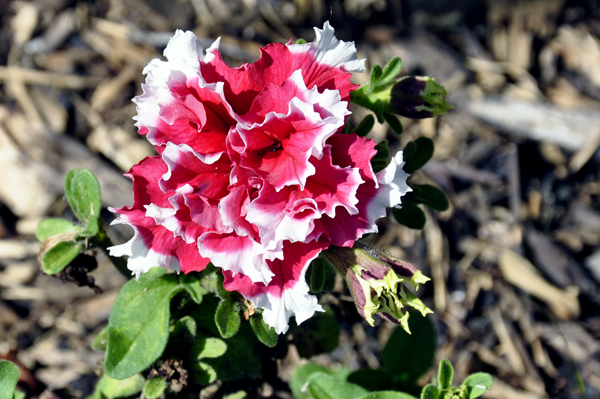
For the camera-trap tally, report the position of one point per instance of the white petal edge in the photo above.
(295, 301)
(141, 258)
(392, 187)
(331, 51)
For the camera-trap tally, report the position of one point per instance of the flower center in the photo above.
(276, 146)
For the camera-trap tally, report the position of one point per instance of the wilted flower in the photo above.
(253, 172)
(378, 281)
(419, 97)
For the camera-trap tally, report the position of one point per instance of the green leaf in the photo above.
(365, 126)
(429, 195)
(227, 318)
(315, 276)
(376, 73)
(445, 374)
(371, 379)
(477, 384)
(319, 334)
(51, 227)
(324, 386)
(410, 215)
(408, 356)
(430, 391)
(19, 395)
(265, 334)
(392, 69)
(109, 388)
(417, 153)
(192, 285)
(221, 291)
(299, 381)
(9, 376)
(388, 395)
(209, 348)
(380, 160)
(154, 387)
(241, 359)
(184, 329)
(394, 122)
(101, 340)
(59, 256)
(83, 193)
(138, 326)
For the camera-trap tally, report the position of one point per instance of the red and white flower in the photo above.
(253, 172)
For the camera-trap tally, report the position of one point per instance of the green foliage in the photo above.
(227, 318)
(299, 380)
(477, 384)
(54, 226)
(372, 379)
(380, 160)
(138, 327)
(394, 122)
(315, 276)
(83, 194)
(417, 153)
(154, 388)
(428, 195)
(265, 334)
(410, 215)
(325, 386)
(55, 259)
(9, 376)
(365, 126)
(388, 395)
(319, 334)
(408, 356)
(101, 340)
(109, 388)
(445, 374)
(430, 391)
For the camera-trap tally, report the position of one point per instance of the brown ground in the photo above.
(515, 262)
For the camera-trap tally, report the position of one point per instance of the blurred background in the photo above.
(514, 262)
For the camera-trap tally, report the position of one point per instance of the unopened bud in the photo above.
(378, 281)
(419, 97)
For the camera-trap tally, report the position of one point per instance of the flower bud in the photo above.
(419, 97)
(377, 282)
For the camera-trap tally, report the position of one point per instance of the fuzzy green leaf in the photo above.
(83, 193)
(315, 276)
(365, 126)
(410, 215)
(192, 285)
(430, 391)
(429, 195)
(265, 334)
(388, 395)
(417, 153)
(391, 70)
(477, 384)
(109, 388)
(376, 73)
(101, 340)
(394, 122)
(299, 380)
(324, 386)
(419, 347)
(9, 376)
(59, 256)
(54, 226)
(445, 374)
(380, 160)
(227, 318)
(138, 327)
(154, 387)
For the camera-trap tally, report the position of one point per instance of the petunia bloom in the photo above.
(253, 172)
